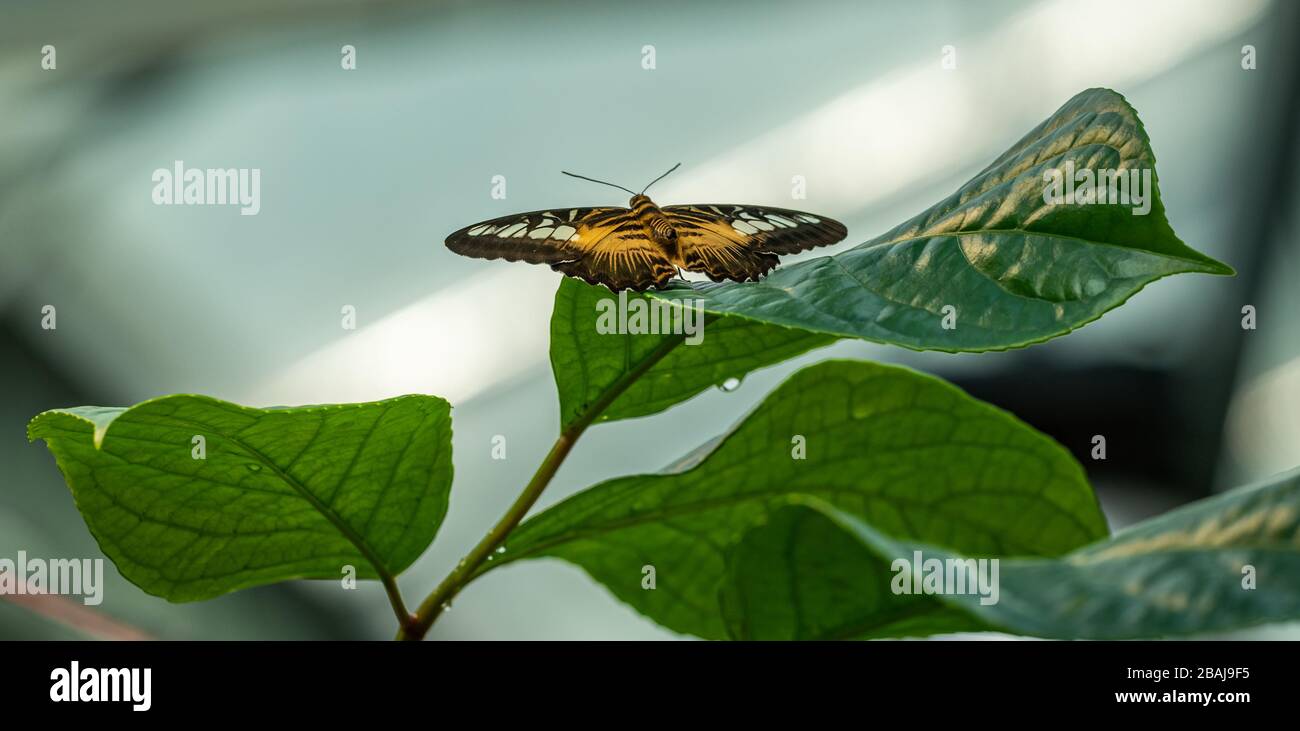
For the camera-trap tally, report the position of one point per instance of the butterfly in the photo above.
(644, 245)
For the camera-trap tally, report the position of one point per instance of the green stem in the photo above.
(433, 605)
(404, 618)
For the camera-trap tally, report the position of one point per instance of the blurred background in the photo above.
(365, 171)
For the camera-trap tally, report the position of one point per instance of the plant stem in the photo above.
(404, 618)
(433, 605)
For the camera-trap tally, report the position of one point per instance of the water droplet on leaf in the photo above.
(731, 384)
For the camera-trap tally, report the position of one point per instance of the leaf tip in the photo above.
(1222, 269)
(1210, 265)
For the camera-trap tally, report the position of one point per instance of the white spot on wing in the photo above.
(478, 230)
(540, 233)
(744, 227)
(563, 233)
(513, 229)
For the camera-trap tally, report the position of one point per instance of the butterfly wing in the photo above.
(598, 245)
(625, 257)
(538, 237)
(742, 242)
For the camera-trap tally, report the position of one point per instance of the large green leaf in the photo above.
(662, 369)
(1222, 563)
(280, 493)
(906, 451)
(1015, 269)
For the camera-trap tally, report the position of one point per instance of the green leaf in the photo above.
(279, 494)
(801, 577)
(1015, 270)
(662, 369)
(906, 451)
(1222, 563)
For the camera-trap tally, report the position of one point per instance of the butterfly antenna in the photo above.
(584, 177)
(661, 177)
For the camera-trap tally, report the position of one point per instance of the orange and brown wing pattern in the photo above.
(539, 237)
(726, 241)
(606, 246)
(622, 259)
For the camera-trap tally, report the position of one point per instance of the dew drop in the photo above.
(254, 467)
(731, 384)
(500, 550)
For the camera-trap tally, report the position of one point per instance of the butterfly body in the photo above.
(644, 245)
(657, 225)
